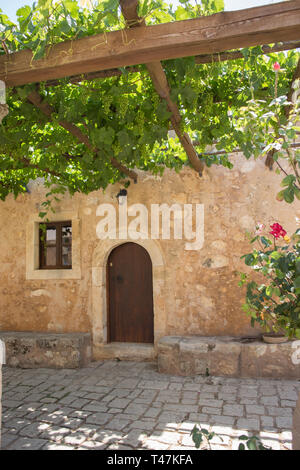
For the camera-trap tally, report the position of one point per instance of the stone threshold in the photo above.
(226, 356)
(125, 351)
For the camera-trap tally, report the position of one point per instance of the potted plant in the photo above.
(273, 294)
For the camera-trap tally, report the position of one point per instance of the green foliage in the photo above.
(264, 127)
(251, 443)
(273, 299)
(202, 436)
(123, 116)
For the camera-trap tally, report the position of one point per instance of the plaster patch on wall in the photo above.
(201, 288)
(146, 177)
(261, 350)
(87, 211)
(188, 268)
(40, 292)
(247, 222)
(55, 326)
(248, 166)
(180, 198)
(207, 302)
(93, 199)
(219, 261)
(218, 245)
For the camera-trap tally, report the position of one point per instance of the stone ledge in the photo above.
(125, 351)
(30, 350)
(226, 356)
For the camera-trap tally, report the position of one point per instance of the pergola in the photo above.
(212, 38)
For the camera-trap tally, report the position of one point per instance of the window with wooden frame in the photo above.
(56, 245)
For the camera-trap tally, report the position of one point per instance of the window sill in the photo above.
(54, 274)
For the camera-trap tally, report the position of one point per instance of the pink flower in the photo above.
(276, 66)
(259, 229)
(277, 231)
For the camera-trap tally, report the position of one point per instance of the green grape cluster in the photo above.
(155, 100)
(116, 148)
(123, 106)
(106, 101)
(208, 103)
(141, 122)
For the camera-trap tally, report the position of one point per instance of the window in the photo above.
(55, 241)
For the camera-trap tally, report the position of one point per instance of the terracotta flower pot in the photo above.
(274, 338)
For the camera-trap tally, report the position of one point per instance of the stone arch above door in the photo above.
(99, 297)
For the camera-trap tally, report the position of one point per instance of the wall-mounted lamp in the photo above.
(122, 196)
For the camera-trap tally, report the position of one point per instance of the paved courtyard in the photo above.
(128, 405)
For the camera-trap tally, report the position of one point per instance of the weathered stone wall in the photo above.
(226, 356)
(54, 350)
(200, 293)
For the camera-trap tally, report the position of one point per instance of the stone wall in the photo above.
(195, 292)
(33, 350)
(227, 357)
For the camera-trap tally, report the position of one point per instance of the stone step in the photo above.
(127, 351)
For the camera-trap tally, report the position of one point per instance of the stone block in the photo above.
(30, 350)
(269, 360)
(224, 359)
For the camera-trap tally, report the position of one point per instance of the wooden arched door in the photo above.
(130, 295)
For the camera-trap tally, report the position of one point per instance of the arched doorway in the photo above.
(130, 295)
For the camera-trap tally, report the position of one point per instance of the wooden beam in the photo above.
(35, 98)
(294, 145)
(92, 76)
(200, 59)
(234, 55)
(160, 82)
(205, 35)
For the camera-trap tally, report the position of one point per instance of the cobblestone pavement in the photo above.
(128, 405)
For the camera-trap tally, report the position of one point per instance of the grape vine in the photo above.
(122, 116)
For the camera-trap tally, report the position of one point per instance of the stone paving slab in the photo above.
(129, 405)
